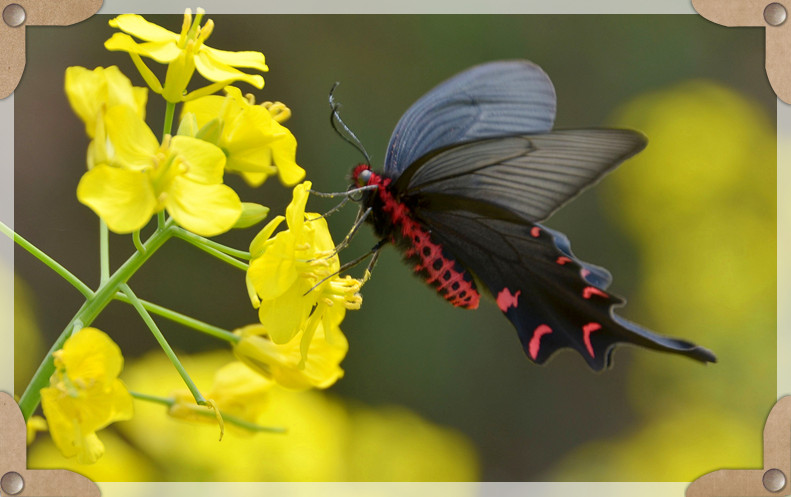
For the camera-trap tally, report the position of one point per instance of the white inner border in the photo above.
(535, 489)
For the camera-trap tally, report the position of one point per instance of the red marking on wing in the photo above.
(589, 291)
(535, 231)
(506, 300)
(587, 330)
(534, 344)
(562, 260)
(584, 272)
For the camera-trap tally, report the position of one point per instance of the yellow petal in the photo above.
(256, 179)
(91, 355)
(249, 59)
(161, 51)
(89, 92)
(137, 26)
(204, 161)
(283, 363)
(34, 425)
(274, 271)
(295, 211)
(205, 108)
(123, 199)
(133, 141)
(283, 316)
(284, 153)
(318, 235)
(257, 245)
(205, 210)
(215, 70)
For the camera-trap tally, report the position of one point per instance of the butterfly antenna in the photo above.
(340, 127)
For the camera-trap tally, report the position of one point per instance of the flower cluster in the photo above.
(293, 280)
(132, 176)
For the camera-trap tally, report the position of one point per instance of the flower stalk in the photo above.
(94, 305)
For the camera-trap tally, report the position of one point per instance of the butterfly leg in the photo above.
(374, 251)
(361, 216)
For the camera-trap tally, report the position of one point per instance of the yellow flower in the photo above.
(91, 93)
(285, 364)
(85, 394)
(326, 440)
(256, 144)
(183, 52)
(237, 391)
(284, 270)
(142, 177)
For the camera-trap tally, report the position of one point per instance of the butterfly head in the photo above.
(361, 175)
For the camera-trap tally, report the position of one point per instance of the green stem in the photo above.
(50, 262)
(188, 235)
(104, 252)
(184, 320)
(163, 343)
(137, 242)
(94, 304)
(227, 417)
(194, 240)
(170, 110)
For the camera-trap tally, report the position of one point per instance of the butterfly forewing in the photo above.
(531, 176)
(494, 99)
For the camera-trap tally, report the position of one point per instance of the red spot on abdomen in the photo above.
(506, 300)
(441, 271)
(535, 341)
(592, 290)
(586, 335)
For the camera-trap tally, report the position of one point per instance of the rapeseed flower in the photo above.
(256, 144)
(142, 177)
(285, 363)
(183, 52)
(91, 93)
(293, 279)
(85, 394)
(237, 391)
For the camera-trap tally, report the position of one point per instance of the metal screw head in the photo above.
(774, 480)
(14, 15)
(775, 14)
(12, 483)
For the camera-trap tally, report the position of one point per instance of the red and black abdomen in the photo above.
(393, 220)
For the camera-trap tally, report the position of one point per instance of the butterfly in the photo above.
(471, 170)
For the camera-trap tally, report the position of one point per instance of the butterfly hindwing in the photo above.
(553, 299)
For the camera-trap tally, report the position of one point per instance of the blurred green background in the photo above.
(687, 228)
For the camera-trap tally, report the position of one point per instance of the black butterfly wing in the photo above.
(531, 175)
(553, 299)
(512, 97)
